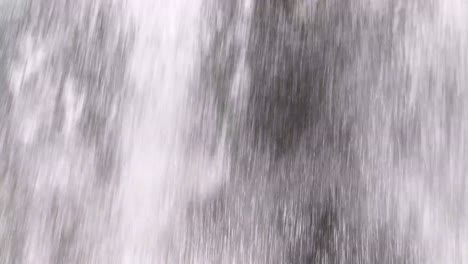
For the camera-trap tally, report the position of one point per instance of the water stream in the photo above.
(243, 131)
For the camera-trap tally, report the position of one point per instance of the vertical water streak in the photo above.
(161, 173)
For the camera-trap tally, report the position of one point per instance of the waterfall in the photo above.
(155, 185)
(248, 131)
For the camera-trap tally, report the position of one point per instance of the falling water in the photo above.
(160, 175)
(247, 131)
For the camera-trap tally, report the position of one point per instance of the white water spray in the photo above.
(158, 179)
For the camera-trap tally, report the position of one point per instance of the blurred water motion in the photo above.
(247, 131)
